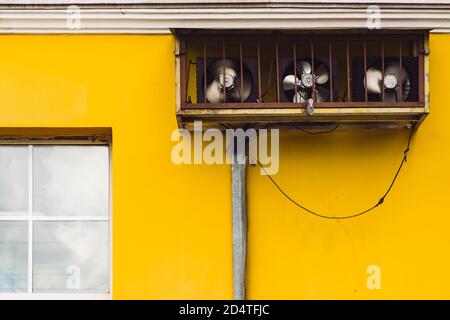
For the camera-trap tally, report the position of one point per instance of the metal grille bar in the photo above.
(342, 84)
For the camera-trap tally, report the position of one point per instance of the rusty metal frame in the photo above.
(258, 39)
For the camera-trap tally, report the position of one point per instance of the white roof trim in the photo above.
(224, 2)
(159, 21)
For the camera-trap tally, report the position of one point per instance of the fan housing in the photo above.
(223, 80)
(306, 80)
(389, 83)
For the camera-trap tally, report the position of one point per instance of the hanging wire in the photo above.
(379, 202)
(317, 132)
(268, 83)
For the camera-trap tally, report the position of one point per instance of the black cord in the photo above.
(189, 76)
(380, 201)
(318, 132)
(268, 83)
(226, 126)
(344, 98)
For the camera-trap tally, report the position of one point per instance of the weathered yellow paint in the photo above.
(172, 224)
(295, 255)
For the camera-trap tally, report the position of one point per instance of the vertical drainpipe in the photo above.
(238, 173)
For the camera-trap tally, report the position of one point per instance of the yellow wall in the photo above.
(172, 224)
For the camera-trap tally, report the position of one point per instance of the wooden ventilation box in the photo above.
(283, 79)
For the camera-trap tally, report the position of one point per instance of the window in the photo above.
(54, 219)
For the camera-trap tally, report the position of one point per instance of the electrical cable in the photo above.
(269, 81)
(380, 201)
(318, 132)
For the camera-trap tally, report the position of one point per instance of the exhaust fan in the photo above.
(400, 84)
(223, 80)
(306, 81)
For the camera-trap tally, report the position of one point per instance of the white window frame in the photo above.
(30, 218)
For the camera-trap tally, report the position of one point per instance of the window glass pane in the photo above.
(13, 256)
(71, 256)
(13, 178)
(71, 180)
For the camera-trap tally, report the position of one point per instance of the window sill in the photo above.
(55, 296)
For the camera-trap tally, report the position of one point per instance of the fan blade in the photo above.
(394, 69)
(297, 98)
(322, 94)
(403, 79)
(373, 81)
(213, 92)
(322, 74)
(391, 96)
(219, 66)
(306, 67)
(231, 69)
(224, 71)
(406, 88)
(234, 94)
(248, 86)
(401, 95)
(301, 96)
(290, 82)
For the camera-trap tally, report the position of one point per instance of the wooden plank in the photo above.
(289, 105)
(281, 117)
(364, 112)
(178, 75)
(404, 124)
(426, 75)
(421, 69)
